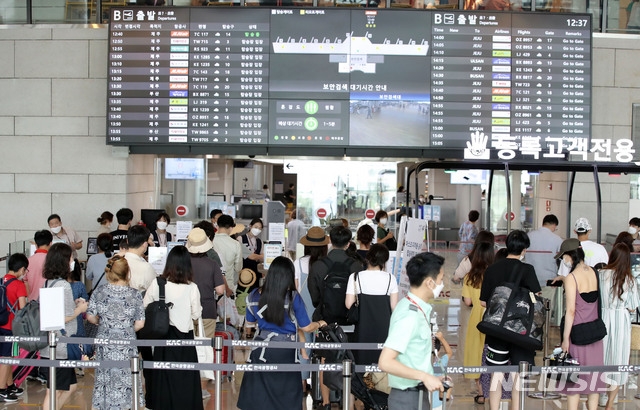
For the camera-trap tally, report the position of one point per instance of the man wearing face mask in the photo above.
(252, 241)
(594, 253)
(64, 235)
(501, 352)
(214, 215)
(406, 354)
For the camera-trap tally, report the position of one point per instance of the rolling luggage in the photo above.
(226, 334)
(20, 373)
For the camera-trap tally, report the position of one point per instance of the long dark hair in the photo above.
(279, 286)
(315, 253)
(482, 258)
(620, 264)
(56, 264)
(482, 237)
(178, 268)
(105, 244)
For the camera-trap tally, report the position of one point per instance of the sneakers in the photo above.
(7, 397)
(80, 372)
(39, 378)
(15, 390)
(205, 394)
(602, 400)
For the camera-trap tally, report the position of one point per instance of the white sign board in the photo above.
(276, 232)
(271, 251)
(412, 246)
(182, 230)
(51, 309)
(158, 258)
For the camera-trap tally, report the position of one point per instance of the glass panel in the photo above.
(182, 188)
(13, 12)
(49, 11)
(345, 189)
(629, 15)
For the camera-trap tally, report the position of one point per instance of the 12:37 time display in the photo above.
(577, 22)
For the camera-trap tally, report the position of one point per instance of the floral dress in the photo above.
(118, 307)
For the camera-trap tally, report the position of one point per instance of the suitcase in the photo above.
(227, 351)
(20, 373)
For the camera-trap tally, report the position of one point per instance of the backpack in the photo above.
(156, 322)
(335, 291)
(26, 323)
(5, 308)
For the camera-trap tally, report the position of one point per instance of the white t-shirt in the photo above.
(373, 282)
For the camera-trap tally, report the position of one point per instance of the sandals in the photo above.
(479, 399)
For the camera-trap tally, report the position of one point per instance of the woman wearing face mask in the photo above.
(160, 235)
(634, 230)
(500, 352)
(252, 241)
(105, 220)
(57, 269)
(384, 235)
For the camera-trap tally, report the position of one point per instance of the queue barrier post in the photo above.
(523, 371)
(52, 370)
(217, 348)
(544, 394)
(347, 371)
(135, 379)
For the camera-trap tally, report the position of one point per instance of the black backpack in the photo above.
(335, 291)
(5, 308)
(156, 316)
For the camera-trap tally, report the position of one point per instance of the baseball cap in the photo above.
(582, 225)
(568, 245)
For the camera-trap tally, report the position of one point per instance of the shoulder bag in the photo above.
(514, 313)
(353, 315)
(156, 322)
(590, 332)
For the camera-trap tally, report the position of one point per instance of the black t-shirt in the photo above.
(118, 235)
(288, 196)
(502, 271)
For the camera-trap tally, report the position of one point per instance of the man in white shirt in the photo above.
(295, 231)
(594, 253)
(544, 246)
(229, 250)
(142, 275)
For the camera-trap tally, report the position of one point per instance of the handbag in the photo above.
(353, 314)
(589, 332)
(156, 322)
(562, 359)
(514, 314)
(205, 353)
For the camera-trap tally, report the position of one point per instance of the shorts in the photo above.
(501, 353)
(6, 348)
(65, 377)
(408, 399)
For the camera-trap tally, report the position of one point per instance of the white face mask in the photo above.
(56, 230)
(255, 231)
(383, 221)
(162, 225)
(438, 289)
(567, 264)
(72, 266)
(522, 258)
(632, 230)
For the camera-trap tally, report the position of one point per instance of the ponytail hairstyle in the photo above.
(105, 244)
(117, 269)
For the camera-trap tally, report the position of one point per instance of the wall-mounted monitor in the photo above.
(184, 168)
(469, 176)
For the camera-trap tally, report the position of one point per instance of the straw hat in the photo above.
(315, 237)
(198, 242)
(239, 228)
(246, 277)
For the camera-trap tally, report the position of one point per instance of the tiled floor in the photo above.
(447, 310)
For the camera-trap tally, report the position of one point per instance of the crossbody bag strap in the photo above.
(161, 283)
(98, 282)
(388, 285)
(599, 296)
(355, 290)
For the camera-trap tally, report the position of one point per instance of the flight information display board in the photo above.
(519, 83)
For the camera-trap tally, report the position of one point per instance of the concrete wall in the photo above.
(53, 156)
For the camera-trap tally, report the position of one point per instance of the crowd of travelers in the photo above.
(299, 294)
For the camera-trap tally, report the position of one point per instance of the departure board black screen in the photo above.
(519, 83)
